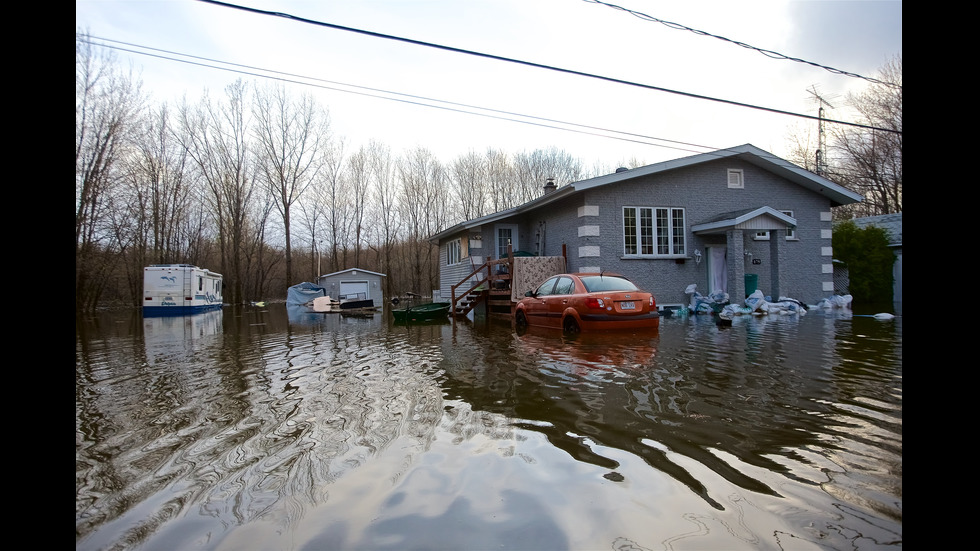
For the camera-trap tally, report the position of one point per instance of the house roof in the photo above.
(747, 152)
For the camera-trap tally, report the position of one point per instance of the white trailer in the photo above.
(179, 289)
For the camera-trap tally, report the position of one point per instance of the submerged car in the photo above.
(588, 302)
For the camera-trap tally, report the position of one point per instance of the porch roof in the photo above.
(759, 219)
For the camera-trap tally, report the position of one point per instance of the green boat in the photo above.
(422, 312)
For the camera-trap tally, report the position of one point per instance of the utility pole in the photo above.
(821, 161)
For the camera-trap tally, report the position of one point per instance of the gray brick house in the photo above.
(723, 220)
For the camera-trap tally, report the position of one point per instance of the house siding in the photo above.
(451, 274)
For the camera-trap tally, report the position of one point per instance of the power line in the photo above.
(767, 53)
(267, 73)
(409, 98)
(533, 64)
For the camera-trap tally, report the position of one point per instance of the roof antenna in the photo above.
(821, 168)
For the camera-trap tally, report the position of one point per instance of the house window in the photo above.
(654, 231)
(735, 178)
(790, 232)
(453, 252)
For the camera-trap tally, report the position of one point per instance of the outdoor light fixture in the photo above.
(697, 256)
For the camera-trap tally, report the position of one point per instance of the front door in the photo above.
(717, 269)
(506, 234)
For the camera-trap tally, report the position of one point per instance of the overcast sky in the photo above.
(678, 52)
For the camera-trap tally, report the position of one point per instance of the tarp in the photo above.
(531, 271)
(303, 293)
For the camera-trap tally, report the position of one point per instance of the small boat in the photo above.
(422, 312)
(356, 304)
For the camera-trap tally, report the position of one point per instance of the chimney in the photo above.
(550, 186)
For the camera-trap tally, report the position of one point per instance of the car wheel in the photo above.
(520, 319)
(570, 325)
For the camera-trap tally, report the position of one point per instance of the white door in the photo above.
(505, 233)
(717, 269)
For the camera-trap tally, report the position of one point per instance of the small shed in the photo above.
(354, 284)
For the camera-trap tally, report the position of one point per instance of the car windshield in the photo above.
(600, 283)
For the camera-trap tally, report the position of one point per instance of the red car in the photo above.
(588, 302)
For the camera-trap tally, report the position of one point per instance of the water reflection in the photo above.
(273, 428)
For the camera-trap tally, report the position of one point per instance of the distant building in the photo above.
(354, 284)
(892, 224)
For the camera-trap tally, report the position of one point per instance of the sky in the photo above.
(604, 84)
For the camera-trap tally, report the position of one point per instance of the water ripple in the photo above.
(333, 433)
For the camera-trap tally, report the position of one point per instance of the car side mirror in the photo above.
(529, 293)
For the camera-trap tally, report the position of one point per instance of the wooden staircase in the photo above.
(492, 285)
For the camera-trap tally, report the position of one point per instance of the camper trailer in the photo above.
(179, 289)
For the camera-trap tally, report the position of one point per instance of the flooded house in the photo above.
(732, 220)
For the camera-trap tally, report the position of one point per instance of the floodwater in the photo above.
(270, 429)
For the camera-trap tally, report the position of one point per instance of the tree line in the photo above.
(253, 183)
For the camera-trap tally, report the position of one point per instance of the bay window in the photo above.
(654, 231)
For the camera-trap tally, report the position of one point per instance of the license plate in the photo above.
(627, 305)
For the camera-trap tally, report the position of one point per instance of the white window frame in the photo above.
(454, 252)
(736, 178)
(790, 232)
(655, 232)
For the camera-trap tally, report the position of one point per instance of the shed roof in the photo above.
(348, 270)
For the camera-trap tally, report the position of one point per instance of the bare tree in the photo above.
(334, 197)
(160, 174)
(502, 180)
(535, 168)
(215, 136)
(869, 161)
(358, 175)
(150, 211)
(424, 208)
(291, 134)
(385, 195)
(803, 148)
(108, 104)
(468, 185)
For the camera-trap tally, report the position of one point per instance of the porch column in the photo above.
(736, 266)
(775, 246)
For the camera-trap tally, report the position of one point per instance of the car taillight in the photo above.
(594, 303)
(653, 303)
